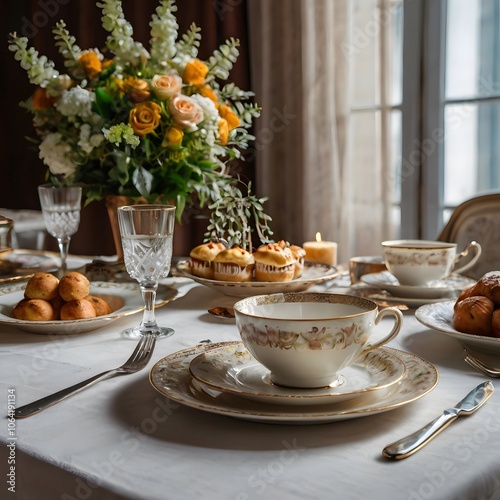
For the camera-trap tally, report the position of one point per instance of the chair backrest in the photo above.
(477, 219)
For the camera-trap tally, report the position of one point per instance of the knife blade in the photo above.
(410, 444)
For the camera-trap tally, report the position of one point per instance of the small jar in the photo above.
(6, 226)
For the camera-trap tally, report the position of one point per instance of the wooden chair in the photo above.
(477, 219)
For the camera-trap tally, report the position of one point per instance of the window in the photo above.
(451, 111)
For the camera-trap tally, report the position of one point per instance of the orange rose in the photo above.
(144, 118)
(227, 114)
(40, 100)
(195, 73)
(206, 91)
(173, 138)
(136, 89)
(91, 63)
(223, 131)
(185, 112)
(165, 86)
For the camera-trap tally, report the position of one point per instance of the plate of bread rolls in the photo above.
(473, 318)
(70, 305)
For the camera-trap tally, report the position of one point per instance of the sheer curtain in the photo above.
(323, 168)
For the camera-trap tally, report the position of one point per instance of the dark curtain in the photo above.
(21, 169)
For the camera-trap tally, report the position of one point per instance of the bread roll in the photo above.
(474, 315)
(489, 286)
(77, 309)
(42, 286)
(74, 286)
(100, 305)
(34, 310)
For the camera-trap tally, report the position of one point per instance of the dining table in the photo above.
(123, 438)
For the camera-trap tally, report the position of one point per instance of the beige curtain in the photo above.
(308, 154)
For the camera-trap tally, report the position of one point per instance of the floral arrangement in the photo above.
(155, 124)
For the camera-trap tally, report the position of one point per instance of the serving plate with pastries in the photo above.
(473, 319)
(70, 305)
(271, 268)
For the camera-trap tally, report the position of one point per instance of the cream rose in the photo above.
(186, 113)
(165, 86)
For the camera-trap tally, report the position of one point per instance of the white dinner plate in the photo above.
(439, 289)
(170, 376)
(20, 262)
(123, 298)
(439, 317)
(313, 274)
(232, 368)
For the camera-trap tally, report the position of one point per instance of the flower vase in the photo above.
(112, 204)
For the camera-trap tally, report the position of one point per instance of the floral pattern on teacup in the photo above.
(313, 339)
(436, 258)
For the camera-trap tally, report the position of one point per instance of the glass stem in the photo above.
(63, 251)
(148, 291)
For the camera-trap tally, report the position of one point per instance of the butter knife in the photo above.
(412, 443)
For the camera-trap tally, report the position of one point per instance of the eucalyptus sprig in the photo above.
(236, 216)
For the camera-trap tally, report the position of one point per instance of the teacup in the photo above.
(417, 262)
(306, 339)
(359, 266)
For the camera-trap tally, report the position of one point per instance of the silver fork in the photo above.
(480, 365)
(137, 361)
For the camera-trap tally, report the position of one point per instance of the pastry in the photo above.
(299, 254)
(234, 264)
(201, 259)
(42, 286)
(489, 286)
(474, 315)
(34, 310)
(74, 286)
(274, 262)
(78, 309)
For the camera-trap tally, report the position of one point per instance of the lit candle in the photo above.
(324, 252)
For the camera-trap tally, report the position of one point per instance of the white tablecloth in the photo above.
(122, 439)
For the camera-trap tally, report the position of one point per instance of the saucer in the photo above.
(170, 376)
(439, 317)
(233, 369)
(449, 287)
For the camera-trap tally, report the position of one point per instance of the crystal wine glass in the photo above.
(61, 207)
(147, 236)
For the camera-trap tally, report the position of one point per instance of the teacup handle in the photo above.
(398, 322)
(471, 245)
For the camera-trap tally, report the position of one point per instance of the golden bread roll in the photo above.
(34, 310)
(74, 286)
(42, 286)
(474, 315)
(100, 305)
(201, 259)
(489, 286)
(234, 264)
(495, 323)
(469, 291)
(274, 262)
(77, 309)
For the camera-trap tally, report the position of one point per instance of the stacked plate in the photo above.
(225, 379)
(416, 296)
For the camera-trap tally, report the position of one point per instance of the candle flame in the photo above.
(318, 236)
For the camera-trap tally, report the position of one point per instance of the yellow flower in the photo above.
(40, 100)
(227, 114)
(223, 131)
(173, 138)
(206, 91)
(91, 63)
(195, 73)
(136, 89)
(165, 86)
(144, 118)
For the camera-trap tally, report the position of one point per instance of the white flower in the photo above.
(87, 141)
(55, 154)
(76, 102)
